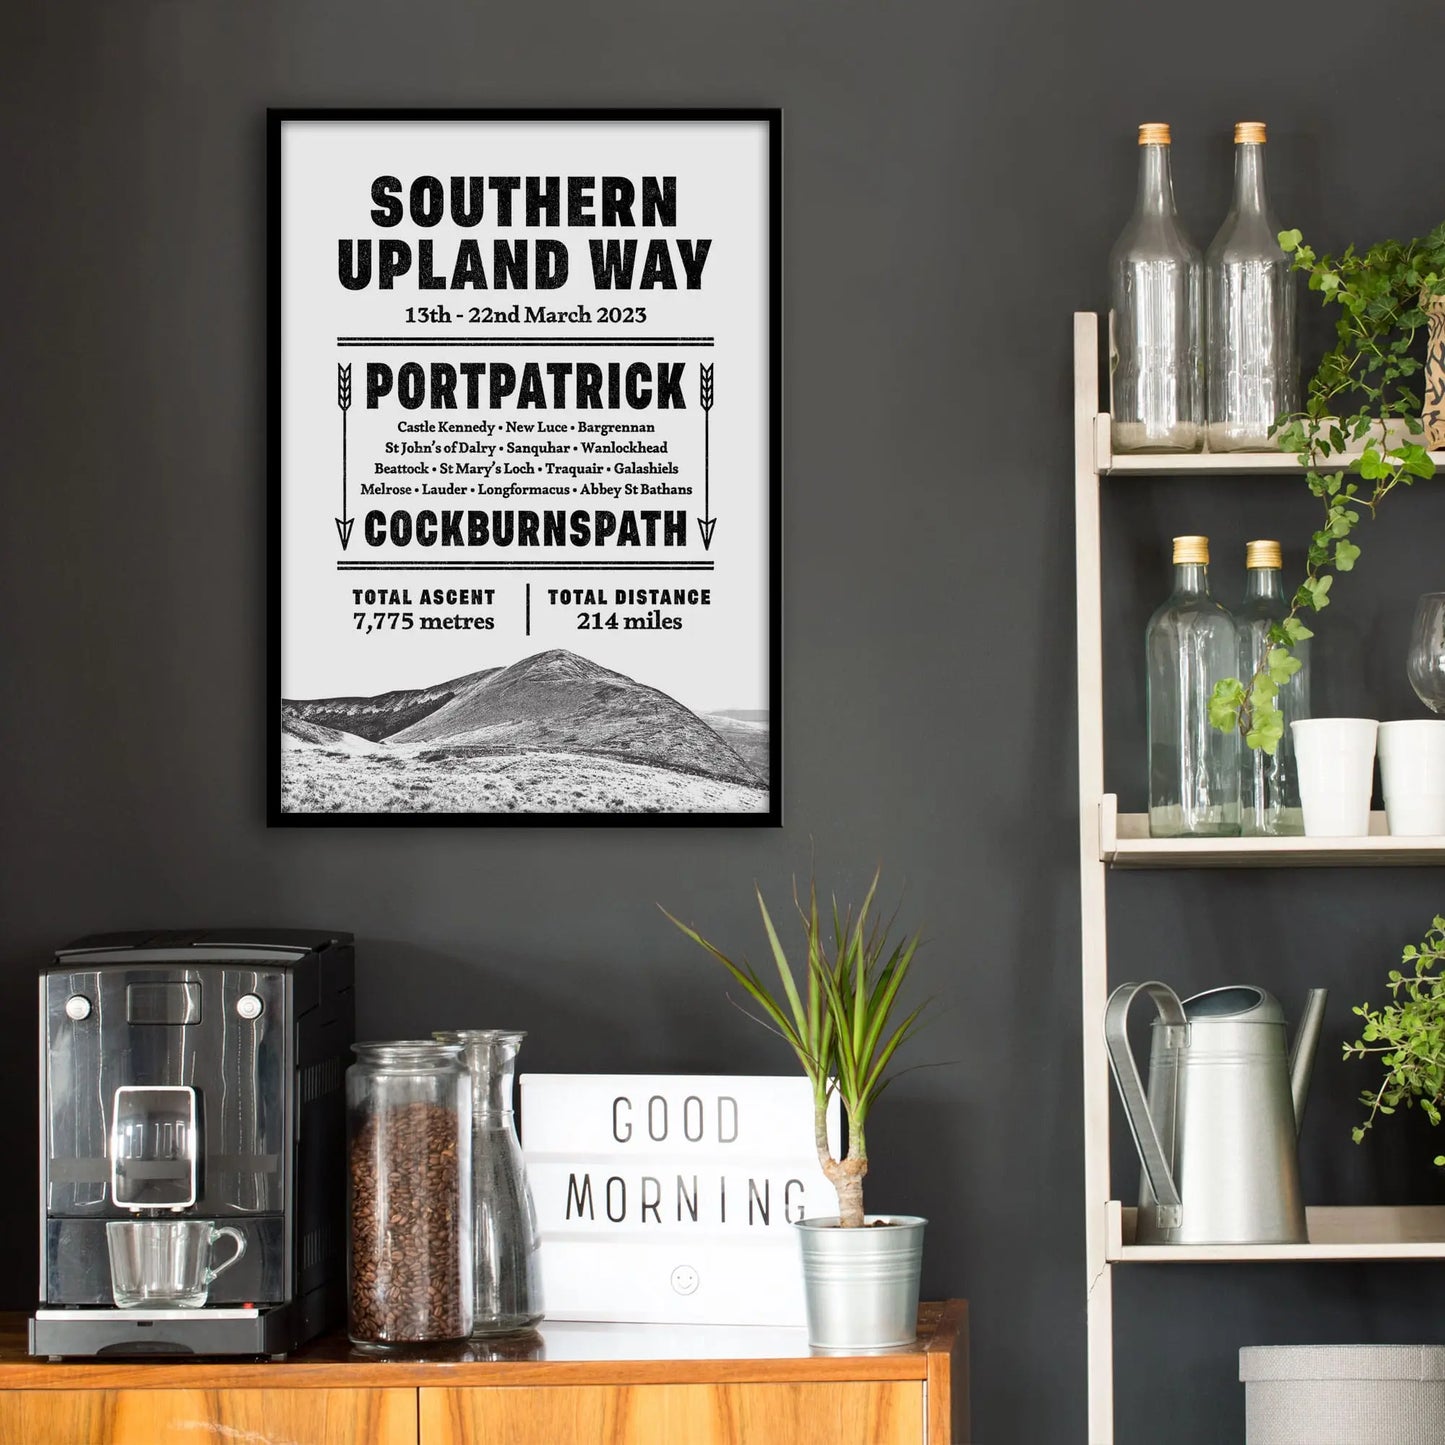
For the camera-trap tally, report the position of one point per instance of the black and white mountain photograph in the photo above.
(550, 733)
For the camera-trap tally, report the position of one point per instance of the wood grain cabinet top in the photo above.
(579, 1384)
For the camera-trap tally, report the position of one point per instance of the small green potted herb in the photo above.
(839, 1012)
(1408, 1035)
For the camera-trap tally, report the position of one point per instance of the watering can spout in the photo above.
(1302, 1055)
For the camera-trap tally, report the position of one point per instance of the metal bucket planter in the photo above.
(862, 1284)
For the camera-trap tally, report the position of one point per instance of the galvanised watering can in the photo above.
(1217, 1135)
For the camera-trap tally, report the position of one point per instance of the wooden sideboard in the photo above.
(571, 1384)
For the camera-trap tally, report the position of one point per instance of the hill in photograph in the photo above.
(748, 733)
(554, 732)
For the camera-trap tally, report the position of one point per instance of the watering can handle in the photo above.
(1152, 1153)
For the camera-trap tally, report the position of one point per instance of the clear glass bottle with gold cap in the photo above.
(1270, 805)
(1194, 769)
(1156, 332)
(1250, 295)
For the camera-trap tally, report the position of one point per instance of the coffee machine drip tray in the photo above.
(207, 1312)
(139, 1333)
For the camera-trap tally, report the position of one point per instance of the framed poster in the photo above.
(525, 467)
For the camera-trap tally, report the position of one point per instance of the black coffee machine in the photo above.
(194, 1076)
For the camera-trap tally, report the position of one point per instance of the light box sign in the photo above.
(671, 1199)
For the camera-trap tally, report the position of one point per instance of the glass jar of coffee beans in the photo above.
(408, 1141)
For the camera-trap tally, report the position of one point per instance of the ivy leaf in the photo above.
(1267, 732)
(1414, 459)
(1282, 665)
(1371, 466)
(1317, 590)
(1225, 703)
(1345, 554)
(1291, 438)
(1289, 240)
(1266, 720)
(1295, 630)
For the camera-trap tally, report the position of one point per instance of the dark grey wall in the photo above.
(954, 177)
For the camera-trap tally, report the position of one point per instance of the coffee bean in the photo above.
(406, 1226)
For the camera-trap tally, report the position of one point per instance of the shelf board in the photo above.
(1402, 1232)
(1124, 842)
(1207, 464)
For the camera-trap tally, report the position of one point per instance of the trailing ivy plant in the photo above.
(1364, 381)
(1408, 1035)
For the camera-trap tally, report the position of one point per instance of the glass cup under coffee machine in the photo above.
(166, 1263)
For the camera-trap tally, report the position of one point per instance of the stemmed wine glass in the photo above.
(1427, 651)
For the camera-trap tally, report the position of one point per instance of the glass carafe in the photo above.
(1156, 368)
(506, 1264)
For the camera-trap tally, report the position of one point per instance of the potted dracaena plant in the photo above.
(839, 1011)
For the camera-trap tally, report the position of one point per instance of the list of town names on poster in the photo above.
(563, 455)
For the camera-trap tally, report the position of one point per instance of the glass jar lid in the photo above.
(405, 1054)
(479, 1036)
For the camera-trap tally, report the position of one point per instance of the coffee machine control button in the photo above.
(249, 1006)
(77, 1007)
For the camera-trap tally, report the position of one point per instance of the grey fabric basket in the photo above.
(1343, 1394)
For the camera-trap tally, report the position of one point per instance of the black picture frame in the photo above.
(278, 122)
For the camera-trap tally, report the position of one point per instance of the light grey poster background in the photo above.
(954, 176)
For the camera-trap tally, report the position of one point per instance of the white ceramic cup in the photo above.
(1412, 774)
(1336, 761)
